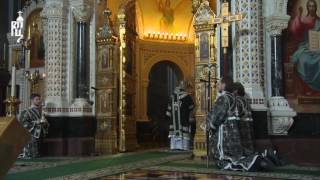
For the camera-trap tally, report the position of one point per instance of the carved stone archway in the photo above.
(150, 53)
(148, 67)
(164, 57)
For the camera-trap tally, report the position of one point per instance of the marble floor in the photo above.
(166, 175)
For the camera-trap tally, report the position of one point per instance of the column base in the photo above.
(80, 107)
(69, 136)
(281, 116)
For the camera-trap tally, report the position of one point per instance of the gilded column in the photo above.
(122, 104)
(205, 72)
(106, 97)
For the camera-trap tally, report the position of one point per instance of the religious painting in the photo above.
(201, 97)
(105, 102)
(204, 46)
(165, 16)
(36, 48)
(35, 39)
(103, 97)
(103, 58)
(302, 52)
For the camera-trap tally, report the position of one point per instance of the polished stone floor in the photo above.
(166, 175)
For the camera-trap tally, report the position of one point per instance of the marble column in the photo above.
(281, 114)
(54, 13)
(82, 11)
(82, 71)
(248, 44)
(276, 66)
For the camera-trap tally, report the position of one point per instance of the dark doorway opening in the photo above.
(163, 78)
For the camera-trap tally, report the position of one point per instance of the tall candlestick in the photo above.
(13, 81)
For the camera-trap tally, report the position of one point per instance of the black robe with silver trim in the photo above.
(224, 142)
(30, 119)
(245, 123)
(179, 111)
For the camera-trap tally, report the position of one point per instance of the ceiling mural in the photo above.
(165, 18)
(170, 17)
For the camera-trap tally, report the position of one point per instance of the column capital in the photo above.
(275, 24)
(82, 9)
(53, 8)
(12, 40)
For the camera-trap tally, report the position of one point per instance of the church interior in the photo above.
(106, 69)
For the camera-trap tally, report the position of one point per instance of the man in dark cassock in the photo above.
(224, 141)
(180, 113)
(244, 113)
(246, 127)
(33, 120)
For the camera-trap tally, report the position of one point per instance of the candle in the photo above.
(13, 81)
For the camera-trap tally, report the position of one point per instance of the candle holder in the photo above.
(165, 36)
(11, 106)
(34, 78)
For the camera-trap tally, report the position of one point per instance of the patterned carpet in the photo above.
(199, 166)
(168, 175)
(89, 168)
(161, 165)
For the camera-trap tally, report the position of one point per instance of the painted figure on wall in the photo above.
(36, 47)
(167, 19)
(204, 46)
(306, 60)
(104, 61)
(103, 102)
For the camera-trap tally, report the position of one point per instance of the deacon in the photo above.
(246, 127)
(225, 143)
(180, 110)
(244, 113)
(33, 120)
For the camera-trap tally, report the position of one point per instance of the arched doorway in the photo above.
(164, 76)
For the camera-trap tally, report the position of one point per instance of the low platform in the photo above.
(13, 138)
